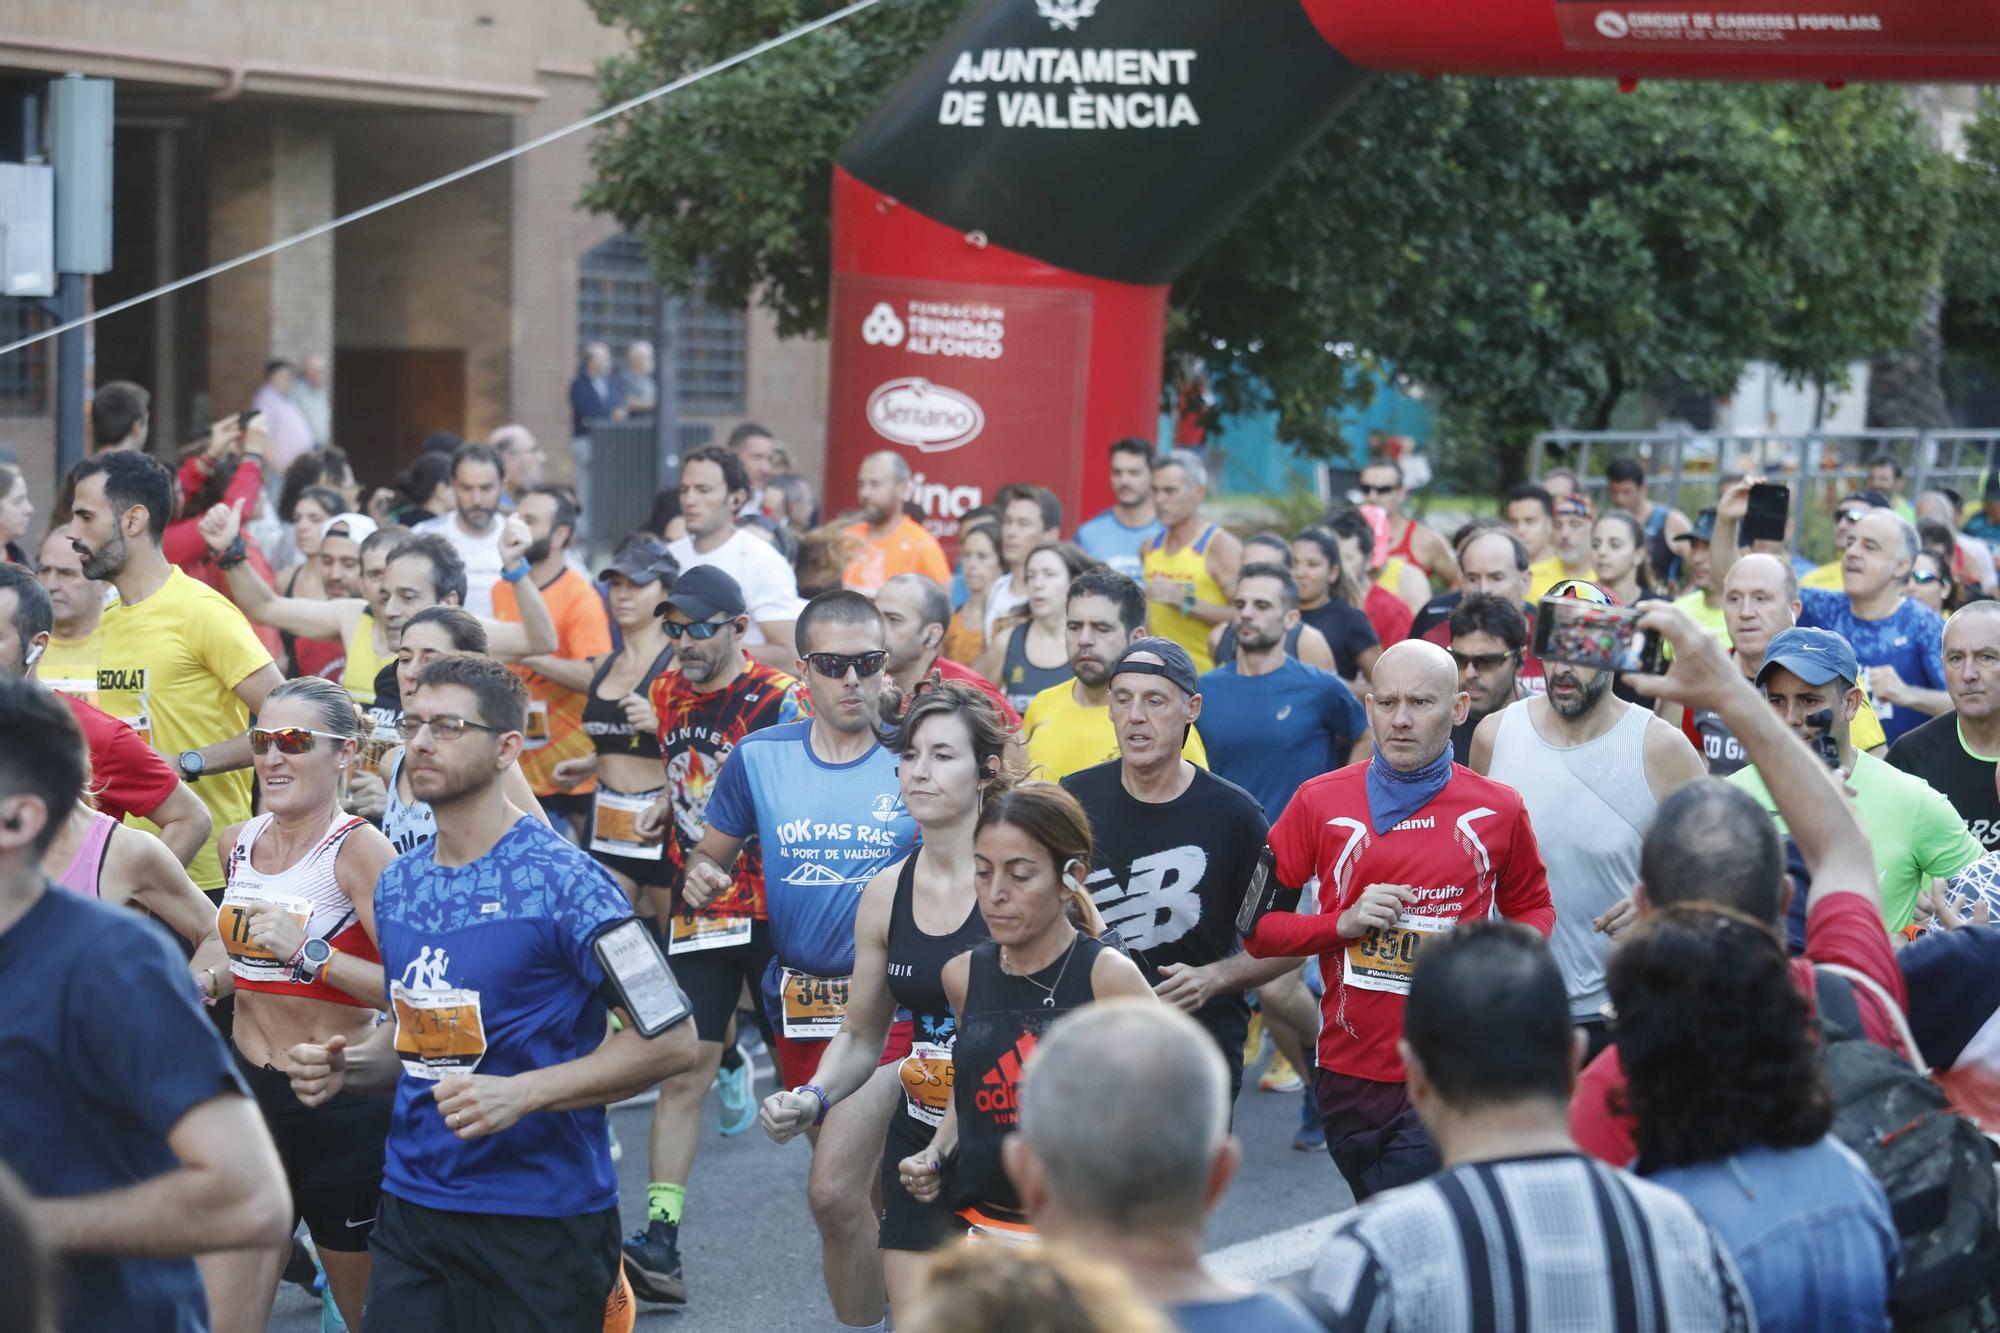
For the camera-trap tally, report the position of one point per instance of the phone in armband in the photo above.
(1262, 895)
(1591, 634)
(638, 972)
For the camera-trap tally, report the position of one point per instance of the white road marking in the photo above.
(1269, 1257)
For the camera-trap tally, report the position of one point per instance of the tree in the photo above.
(1531, 250)
(1972, 261)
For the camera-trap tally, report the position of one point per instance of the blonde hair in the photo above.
(1000, 1288)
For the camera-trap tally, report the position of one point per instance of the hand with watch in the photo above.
(279, 934)
(189, 764)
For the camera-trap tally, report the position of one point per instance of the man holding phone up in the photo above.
(504, 949)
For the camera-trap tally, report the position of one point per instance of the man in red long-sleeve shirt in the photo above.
(1402, 848)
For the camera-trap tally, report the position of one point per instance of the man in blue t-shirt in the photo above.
(1898, 641)
(822, 797)
(120, 1110)
(1116, 535)
(499, 1201)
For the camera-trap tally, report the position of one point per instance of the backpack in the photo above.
(1935, 1166)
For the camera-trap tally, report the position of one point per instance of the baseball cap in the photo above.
(1703, 529)
(359, 527)
(1873, 499)
(1573, 506)
(1815, 656)
(703, 593)
(1174, 664)
(643, 560)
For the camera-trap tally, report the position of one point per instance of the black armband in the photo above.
(1264, 895)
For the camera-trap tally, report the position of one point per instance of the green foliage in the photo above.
(1972, 260)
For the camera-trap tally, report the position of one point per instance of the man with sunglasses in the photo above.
(821, 797)
(1489, 639)
(1423, 546)
(704, 710)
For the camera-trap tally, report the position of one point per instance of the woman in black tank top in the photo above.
(1030, 852)
(914, 918)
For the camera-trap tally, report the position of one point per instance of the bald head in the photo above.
(1414, 702)
(1760, 600)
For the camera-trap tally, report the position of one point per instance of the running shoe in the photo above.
(653, 1263)
(302, 1270)
(1312, 1130)
(736, 1090)
(1279, 1076)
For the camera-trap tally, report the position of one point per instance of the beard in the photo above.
(1257, 640)
(1091, 672)
(107, 561)
(537, 551)
(439, 788)
(1587, 697)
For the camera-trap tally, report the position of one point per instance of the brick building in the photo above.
(240, 122)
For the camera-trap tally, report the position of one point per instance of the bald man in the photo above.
(1404, 848)
(891, 541)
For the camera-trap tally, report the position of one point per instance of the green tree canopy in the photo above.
(1972, 260)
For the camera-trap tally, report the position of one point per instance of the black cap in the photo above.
(1174, 664)
(703, 593)
(1703, 529)
(1873, 499)
(643, 560)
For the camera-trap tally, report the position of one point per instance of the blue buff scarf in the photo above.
(1393, 795)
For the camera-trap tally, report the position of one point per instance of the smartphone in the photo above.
(243, 419)
(1770, 507)
(638, 972)
(1605, 638)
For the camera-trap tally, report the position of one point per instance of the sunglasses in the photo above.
(289, 740)
(1481, 661)
(1854, 515)
(1366, 489)
(445, 728)
(1922, 576)
(835, 666)
(699, 631)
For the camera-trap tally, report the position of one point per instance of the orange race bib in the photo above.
(813, 1006)
(374, 749)
(689, 933)
(248, 959)
(438, 1032)
(614, 824)
(1386, 956)
(536, 734)
(927, 1081)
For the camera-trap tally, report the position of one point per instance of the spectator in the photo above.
(891, 541)
(1124, 1183)
(1898, 640)
(1659, 525)
(636, 382)
(309, 393)
(1029, 516)
(290, 433)
(713, 486)
(1116, 535)
(474, 524)
(1190, 567)
(1734, 1115)
(1956, 752)
(756, 448)
(17, 514)
(1519, 1221)
(120, 416)
(1531, 512)
(594, 394)
(979, 566)
(522, 459)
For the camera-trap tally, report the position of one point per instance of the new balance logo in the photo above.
(999, 1091)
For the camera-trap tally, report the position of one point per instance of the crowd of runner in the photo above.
(1620, 997)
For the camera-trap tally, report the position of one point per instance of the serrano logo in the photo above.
(882, 328)
(910, 410)
(1065, 14)
(999, 1092)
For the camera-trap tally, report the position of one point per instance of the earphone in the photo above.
(1069, 877)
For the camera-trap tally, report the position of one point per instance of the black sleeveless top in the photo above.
(604, 720)
(916, 981)
(1020, 679)
(1004, 1017)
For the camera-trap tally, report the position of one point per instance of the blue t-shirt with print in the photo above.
(1268, 734)
(1114, 543)
(1910, 639)
(825, 830)
(489, 970)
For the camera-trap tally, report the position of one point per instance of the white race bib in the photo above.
(691, 933)
(248, 959)
(1386, 956)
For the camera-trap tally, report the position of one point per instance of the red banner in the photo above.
(1954, 27)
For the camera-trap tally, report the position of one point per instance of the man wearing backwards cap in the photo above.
(1916, 834)
(1175, 849)
(1403, 847)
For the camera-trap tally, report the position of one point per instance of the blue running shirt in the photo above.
(1269, 734)
(489, 970)
(1910, 639)
(1114, 543)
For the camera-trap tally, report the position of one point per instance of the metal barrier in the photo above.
(1684, 467)
(621, 466)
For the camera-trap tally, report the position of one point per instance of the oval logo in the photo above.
(912, 411)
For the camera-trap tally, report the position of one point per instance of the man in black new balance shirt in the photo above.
(1955, 752)
(1176, 848)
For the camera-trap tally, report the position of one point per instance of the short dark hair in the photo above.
(477, 451)
(115, 409)
(274, 365)
(839, 606)
(565, 507)
(132, 478)
(1350, 523)
(735, 477)
(389, 534)
(1889, 461)
(444, 442)
(1041, 496)
(1133, 444)
(1527, 490)
(1121, 590)
(447, 567)
(933, 602)
(44, 756)
(426, 473)
(1714, 1038)
(1277, 541)
(1270, 569)
(461, 626)
(749, 430)
(1488, 1016)
(32, 612)
(1484, 613)
(503, 699)
(1710, 841)
(310, 469)
(1626, 469)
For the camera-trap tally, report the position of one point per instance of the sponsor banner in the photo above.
(1784, 27)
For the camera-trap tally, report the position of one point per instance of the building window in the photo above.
(24, 375)
(618, 303)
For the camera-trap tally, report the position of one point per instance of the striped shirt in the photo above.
(1557, 1243)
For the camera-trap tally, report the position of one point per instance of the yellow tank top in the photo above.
(1187, 566)
(363, 662)
(1390, 576)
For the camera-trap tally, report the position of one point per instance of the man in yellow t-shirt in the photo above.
(1530, 514)
(69, 664)
(1068, 726)
(176, 660)
(891, 542)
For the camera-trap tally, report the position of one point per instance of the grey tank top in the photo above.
(406, 824)
(1590, 807)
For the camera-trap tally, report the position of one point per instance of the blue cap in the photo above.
(1815, 656)
(1703, 529)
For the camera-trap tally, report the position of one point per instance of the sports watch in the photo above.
(190, 764)
(314, 955)
(1188, 600)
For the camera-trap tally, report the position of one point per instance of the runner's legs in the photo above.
(847, 1155)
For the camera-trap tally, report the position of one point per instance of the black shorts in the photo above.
(646, 874)
(332, 1155)
(714, 978)
(440, 1272)
(567, 806)
(906, 1223)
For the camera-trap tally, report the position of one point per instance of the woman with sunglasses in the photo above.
(298, 920)
(1931, 582)
(1034, 654)
(434, 632)
(624, 732)
(915, 917)
(1031, 850)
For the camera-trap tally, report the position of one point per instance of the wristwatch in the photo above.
(190, 765)
(314, 955)
(232, 555)
(1189, 601)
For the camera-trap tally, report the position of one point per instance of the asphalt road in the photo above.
(751, 1254)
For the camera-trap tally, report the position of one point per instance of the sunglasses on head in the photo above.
(289, 740)
(836, 665)
(1853, 514)
(1481, 661)
(698, 631)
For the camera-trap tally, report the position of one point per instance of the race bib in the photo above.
(688, 933)
(374, 749)
(438, 1032)
(248, 959)
(536, 734)
(143, 724)
(927, 1081)
(83, 688)
(813, 1006)
(1384, 958)
(613, 827)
